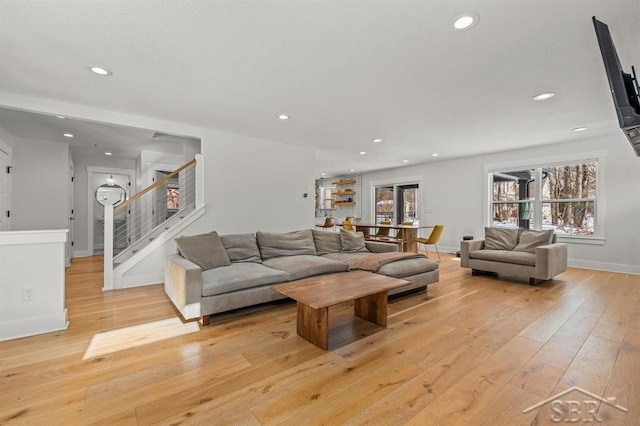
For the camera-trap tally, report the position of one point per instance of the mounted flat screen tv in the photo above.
(624, 86)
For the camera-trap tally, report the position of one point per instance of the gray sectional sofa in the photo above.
(533, 254)
(213, 274)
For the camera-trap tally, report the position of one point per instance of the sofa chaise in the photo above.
(212, 274)
(533, 254)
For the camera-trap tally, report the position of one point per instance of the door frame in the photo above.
(91, 170)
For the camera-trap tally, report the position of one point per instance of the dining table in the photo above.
(406, 241)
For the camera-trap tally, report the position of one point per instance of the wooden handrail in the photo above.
(151, 187)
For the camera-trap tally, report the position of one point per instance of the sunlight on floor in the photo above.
(137, 335)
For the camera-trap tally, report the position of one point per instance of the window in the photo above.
(560, 197)
(397, 203)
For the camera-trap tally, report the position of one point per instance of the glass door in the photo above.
(397, 203)
(384, 204)
(407, 206)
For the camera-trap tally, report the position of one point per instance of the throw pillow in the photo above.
(352, 241)
(276, 244)
(205, 250)
(241, 248)
(326, 242)
(529, 240)
(500, 239)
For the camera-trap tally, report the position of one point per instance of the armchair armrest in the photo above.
(380, 247)
(467, 247)
(183, 285)
(551, 260)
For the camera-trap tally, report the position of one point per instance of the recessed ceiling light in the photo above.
(61, 116)
(323, 174)
(376, 140)
(108, 153)
(578, 129)
(100, 71)
(544, 96)
(363, 152)
(435, 154)
(68, 135)
(466, 20)
(352, 170)
(283, 117)
(405, 161)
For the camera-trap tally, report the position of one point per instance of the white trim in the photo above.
(142, 280)
(605, 266)
(399, 181)
(575, 239)
(546, 161)
(11, 238)
(33, 325)
(81, 253)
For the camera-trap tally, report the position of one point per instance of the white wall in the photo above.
(39, 185)
(45, 311)
(250, 185)
(454, 193)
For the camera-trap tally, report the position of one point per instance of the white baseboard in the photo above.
(34, 325)
(129, 281)
(81, 253)
(605, 266)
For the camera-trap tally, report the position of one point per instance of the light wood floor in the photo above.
(473, 350)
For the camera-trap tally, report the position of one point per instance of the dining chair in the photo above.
(433, 239)
(384, 231)
(329, 222)
(347, 224)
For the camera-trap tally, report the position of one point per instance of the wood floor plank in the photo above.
(470, 350)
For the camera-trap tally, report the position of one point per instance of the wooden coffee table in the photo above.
(314, 296)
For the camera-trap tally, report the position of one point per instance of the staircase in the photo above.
(145, 222)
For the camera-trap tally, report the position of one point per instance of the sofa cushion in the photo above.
(205, 250)
(408, 267)
(346, 258)
(500, 238)
(275, 244)
(352, 241)
(238, 276)
(529, 240)
(505, 256)
(241, 248)
(326, 242)
(305, 266)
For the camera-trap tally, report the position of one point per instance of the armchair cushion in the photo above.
(500, 238)
(506, 256)
(529, 240)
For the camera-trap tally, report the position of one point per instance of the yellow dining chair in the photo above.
(383, 232)
(347, 225)
(433, 239)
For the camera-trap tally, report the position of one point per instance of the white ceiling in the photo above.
(346, 71)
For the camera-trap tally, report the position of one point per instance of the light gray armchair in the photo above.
(541, 262)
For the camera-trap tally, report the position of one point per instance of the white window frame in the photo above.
(598, 157)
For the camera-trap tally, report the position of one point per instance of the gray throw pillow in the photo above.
(205, 250)
(241, 248)
(529, 240)
(277, 244)
(326, 242)
(500, 239)
(352, 241)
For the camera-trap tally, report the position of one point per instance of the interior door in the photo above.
(70, 240)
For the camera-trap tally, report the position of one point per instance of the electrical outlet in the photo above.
(28, 294)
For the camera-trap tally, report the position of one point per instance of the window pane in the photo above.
(569, 218)
(514, 185)
(569, 182)
(512, 215)
(384, 204)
